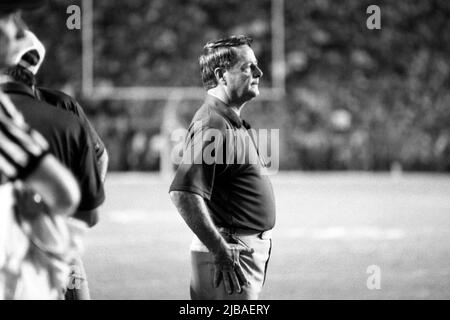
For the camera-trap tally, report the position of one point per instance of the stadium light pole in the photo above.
(278, 49)
(168, 124)
(87, 32)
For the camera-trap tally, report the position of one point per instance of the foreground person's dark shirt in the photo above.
(69, 141)
(236, 192)
(61, 100)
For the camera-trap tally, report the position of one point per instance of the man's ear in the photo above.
(219, 73)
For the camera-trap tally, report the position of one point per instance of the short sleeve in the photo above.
(88, 175)
(202, 160)
(98, 143)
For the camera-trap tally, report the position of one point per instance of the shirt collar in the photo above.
(224, 110)
(13, 87)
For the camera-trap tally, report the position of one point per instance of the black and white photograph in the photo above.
(233, 150)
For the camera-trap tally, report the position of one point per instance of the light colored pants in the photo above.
(254, 267)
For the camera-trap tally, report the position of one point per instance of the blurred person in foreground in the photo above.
(24, 70)
(227, 203)
(66, 120)
(35, 246)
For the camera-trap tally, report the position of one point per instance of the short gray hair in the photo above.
(219, 54)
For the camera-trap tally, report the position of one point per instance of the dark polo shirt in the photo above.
(61, 100)
(236, 191)
(69, 141)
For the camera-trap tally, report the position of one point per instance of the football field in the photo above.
(331, 227)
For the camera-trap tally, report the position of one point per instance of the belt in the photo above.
(265, 235)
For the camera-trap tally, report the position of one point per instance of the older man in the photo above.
(223, 196)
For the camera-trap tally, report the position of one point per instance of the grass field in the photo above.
(330, 229)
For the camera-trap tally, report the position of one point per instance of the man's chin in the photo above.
(255, 92)
(251, 94)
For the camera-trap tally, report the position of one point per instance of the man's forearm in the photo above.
(193, 209)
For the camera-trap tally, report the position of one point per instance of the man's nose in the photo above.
(20, 26)
(257, 72)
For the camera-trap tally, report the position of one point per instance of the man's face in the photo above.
(242, 79)
(11, 34)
